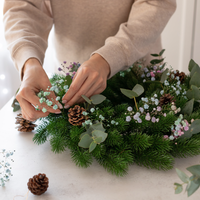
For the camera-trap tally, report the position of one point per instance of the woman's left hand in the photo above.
(90, 79)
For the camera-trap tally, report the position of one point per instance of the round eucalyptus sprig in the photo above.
(192, 182)
(5, 167)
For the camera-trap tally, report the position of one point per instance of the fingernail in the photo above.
(58, 112)
(64, 101)
(60, 106)
(66, 106)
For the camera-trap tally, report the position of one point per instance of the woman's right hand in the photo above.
(34, 79)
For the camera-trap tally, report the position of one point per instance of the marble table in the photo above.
(68, 182)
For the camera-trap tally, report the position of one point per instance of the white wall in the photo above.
(180, 38)
(196, 42)
(9, 80)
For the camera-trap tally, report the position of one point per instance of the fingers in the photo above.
(27, 100)
(52, 97)
(29, 112)
(34, 80)
(96, 91)
(89, 88)
(76, 85)
(30, 96)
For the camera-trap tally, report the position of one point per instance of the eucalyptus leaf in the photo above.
(85, 141)
(88, 131)
(195, 126)
(161, 52)
(194, 93)
(97, 99)
(192, 188)
(82, 134)
(196, 179)
(195, 69)
(184, 177)
(138, 89)
(98, 126)
(188, 185)
(191, 65)
(164, 76)
(163, 65)
(195, 80)
(188, 107)
(92, 147)
(86, 99)
(155, 55)
(15, 105)
(129, 93)
(98, 140)
(193, 129)
(179, 188)
(156, 61)
(68, 80)
(97, 133)
(195, 170)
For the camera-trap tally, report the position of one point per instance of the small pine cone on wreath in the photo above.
(76, 117)
(38, 184)
(24, 125)
(181, 75)
(166, 99)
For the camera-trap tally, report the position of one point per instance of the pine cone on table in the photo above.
(38, 184)
(166, 99)
(24, 125)
(76, 118)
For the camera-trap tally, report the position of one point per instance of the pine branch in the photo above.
(81, 157)
(186, 147)
(42, 134)
(117, 162)
(154, 159)
(139, 142)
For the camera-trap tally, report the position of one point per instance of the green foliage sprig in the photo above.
(192, 182)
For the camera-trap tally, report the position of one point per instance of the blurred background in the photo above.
(180, 38)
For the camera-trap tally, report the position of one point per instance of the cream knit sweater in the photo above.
(121, 31)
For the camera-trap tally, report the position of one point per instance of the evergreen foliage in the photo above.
(150, 142)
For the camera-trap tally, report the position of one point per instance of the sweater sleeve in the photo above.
(135, 37)
(27, 24)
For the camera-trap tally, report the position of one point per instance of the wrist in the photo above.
(29, 64)
(102, 63)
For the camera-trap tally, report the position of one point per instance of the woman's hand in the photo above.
(90, 79)
(34, 79)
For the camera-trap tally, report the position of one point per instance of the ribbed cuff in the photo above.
(23, 53)
(114, 55)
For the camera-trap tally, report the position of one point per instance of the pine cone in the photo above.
(166, 99)
(76, 118)
(38, 184)
(24, 125)
(181, 76)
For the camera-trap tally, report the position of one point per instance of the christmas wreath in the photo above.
(148, 115)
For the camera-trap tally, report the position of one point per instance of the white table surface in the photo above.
(69, 182)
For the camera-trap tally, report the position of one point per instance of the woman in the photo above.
(106, 36)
